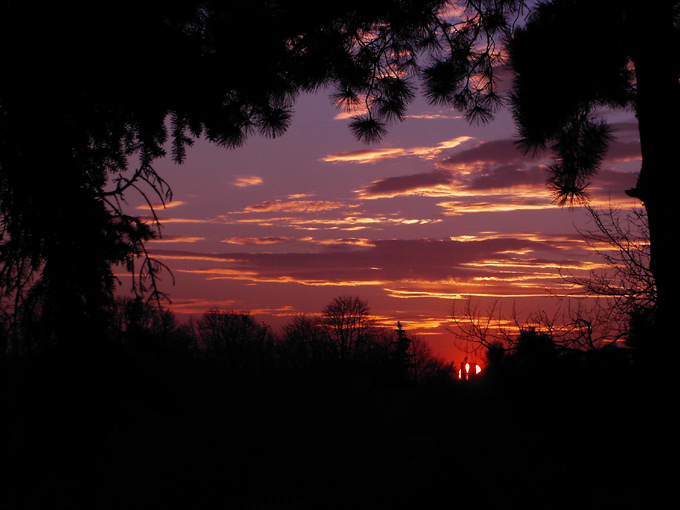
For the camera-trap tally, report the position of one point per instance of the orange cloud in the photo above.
(248, 275)
(243, 181)
(364, 156)
(160, 205)
(456, 208)
(181, 220)
(189, 256)
(354, 241)
(249, 241)
(563, 240)
(199, 306)
(177, 239)
(346, 223)
(517, 263)
(435, 116)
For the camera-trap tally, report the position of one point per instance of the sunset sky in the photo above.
(438, 210)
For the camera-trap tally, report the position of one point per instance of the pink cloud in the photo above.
(611, 178)
(508, 176)
(506, 151)
(624, 151)
(497, 151)
(392, 186)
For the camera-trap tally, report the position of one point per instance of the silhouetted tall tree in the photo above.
(578, 56)
(400, 351)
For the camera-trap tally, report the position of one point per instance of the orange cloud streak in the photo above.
(297, 206)
(373, 155)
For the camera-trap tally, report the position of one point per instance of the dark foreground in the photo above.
(119, 432)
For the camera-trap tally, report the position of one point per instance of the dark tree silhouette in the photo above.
(400, 352)
(578, 56)
(348, 325)
(572, 327)
(89, 100)
(345, 336)
(235, 341)
(304, 343)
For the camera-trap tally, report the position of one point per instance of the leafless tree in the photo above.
(602, 307)
(576, 324)
(475, 330)
(621, 239)
(348, 324)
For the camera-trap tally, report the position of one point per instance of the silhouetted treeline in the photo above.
(333, 411)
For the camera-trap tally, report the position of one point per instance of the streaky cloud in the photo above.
(508, 176)
(305, 206)
(253, 241)
(250, 241)
(177, 239)
(160, 205)
(435, 116)
(374, 155)
(200, 221)
(345, 222)
(191, 256)
(365, 156)
(456, 207)
(406, 184)
(198, 306)
(493, 152)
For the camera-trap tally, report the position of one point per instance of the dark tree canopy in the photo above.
(576, 58)
(571, 56)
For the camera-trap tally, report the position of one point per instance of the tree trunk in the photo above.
(658, 112)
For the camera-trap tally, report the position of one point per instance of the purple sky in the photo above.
(439, 210)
